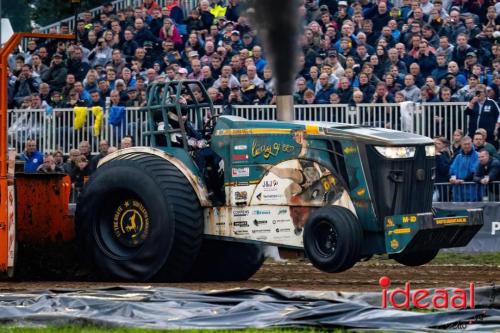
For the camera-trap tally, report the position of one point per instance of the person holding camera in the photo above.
(101, 54)
(484, 113)
(26, 84)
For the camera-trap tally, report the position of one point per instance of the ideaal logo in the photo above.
(439, 298)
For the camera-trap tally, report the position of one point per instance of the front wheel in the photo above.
(417, 258)
(332, 239)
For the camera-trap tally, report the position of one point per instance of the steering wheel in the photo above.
(209, 126)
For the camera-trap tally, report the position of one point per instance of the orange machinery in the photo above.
(33, 208)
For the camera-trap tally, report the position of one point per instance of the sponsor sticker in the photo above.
(259, 222)
(261, 231)
(281, 221)
(262, 212)
(240, 172)
(240, 157)
(451, 220)
(394, 244)
(240, 212)
(241, 196)
(282, 211)
(241, 224)
(270, 185)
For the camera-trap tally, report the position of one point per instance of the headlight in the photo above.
(430, 151)
(396, 152)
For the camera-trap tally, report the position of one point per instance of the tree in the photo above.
(51, 11)
(19, 13)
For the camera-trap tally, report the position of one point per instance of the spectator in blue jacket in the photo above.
(462, 170)
(32, 157)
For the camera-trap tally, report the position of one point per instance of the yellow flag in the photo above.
(98, 115)
(80, 116)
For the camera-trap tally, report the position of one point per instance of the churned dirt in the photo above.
(297, 274)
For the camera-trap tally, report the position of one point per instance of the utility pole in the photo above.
(76, 6)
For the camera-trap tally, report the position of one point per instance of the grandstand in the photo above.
(427, 66)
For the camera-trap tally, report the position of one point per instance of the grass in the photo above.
(467, 258)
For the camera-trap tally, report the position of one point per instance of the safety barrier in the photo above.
(429, 119)
(466, 192)
(54, 130)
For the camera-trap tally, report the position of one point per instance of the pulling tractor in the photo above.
(210, 190)
(339, 192)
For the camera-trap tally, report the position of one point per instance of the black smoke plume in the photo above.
(278, 24)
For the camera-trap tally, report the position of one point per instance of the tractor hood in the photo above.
(381, 136)
(371, 134)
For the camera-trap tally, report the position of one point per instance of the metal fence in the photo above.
(466, 192)
(54, 130)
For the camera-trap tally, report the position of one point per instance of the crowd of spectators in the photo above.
(79, 164)
(422, 51)
(469, 160)
(352, 52)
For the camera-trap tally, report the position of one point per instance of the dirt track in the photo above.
(299, 275)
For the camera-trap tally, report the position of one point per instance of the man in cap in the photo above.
(262, 96)
(182, 74)
(132, 95)
(337, 68)
(55, 76)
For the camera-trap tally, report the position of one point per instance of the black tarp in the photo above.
(173, 308)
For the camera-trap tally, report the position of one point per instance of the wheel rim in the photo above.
(123, 225)
(325, 238)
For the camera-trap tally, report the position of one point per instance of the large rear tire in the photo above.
(332, 239)
(417, 258)
(138, 218)
(227, 261)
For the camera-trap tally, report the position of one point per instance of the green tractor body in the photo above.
(340, 192)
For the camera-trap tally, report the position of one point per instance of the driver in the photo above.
(207, 161)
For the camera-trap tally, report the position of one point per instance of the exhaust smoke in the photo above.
(278, 23)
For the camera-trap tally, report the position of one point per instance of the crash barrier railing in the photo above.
(466, 192)
(187, 5)
(429, 119)
(54, 130)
